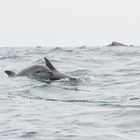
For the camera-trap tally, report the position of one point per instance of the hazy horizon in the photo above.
(68, 23)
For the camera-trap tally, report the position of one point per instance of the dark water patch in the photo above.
(9, 133)
(127, 54)
(30, 134)
(118, 105)
(82, 72)
(134, 98)
(9, 57)
(132, 74)
(59, 49)
(127, 70)
(75, 89)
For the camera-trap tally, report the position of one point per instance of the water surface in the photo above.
(104, 105)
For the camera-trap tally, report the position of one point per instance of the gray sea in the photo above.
(103, 105)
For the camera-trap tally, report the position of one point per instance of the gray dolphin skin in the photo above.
(47, 72)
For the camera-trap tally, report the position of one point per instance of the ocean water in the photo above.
(103, 105)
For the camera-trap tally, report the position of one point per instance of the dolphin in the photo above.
(47, 72)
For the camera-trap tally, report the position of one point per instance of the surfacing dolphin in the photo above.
(40, 72)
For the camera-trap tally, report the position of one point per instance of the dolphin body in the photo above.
(40, 72)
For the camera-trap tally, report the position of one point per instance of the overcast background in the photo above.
(69, 22)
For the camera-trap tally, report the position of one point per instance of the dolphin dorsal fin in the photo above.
(10, 73)
(49, 65)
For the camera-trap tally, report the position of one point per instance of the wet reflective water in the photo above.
(104, 104)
